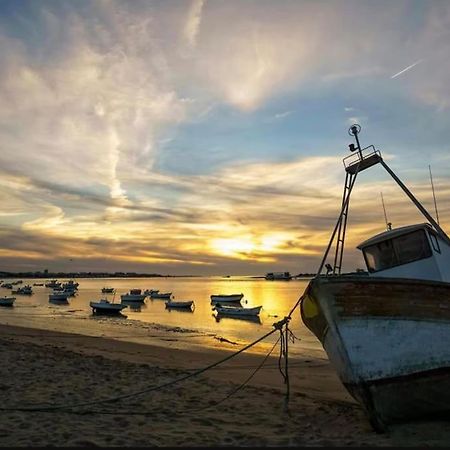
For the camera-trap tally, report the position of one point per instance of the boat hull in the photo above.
(388, 341)
(111, 308)
(232, 311)
(180, 304)
(133, 298)
(232, 298)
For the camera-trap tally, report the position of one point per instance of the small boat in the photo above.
(226, 298)
(135, 295)
(278, 276)
(71, 285)
(161, 295)
(150, 292)
(104, 306)
(7, 301)
(7, 285)
(23, 290)
(52, 284)
(237, 310)
(386, 331)
(59, 296)
(38, 284)
(107, 290)
(185, 304)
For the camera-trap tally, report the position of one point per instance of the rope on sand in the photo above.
(285, 336)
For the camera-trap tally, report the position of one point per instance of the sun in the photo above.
(235, 247)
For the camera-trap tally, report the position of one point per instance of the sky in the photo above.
(206, 137)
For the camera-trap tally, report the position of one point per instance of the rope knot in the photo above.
(279, 325)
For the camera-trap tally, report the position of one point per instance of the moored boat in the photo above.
(162, 295)
(7, 301)
(184, 304)
(386, 332)
(59, 297)
(23, 290)
(107, 290)
(237, 310)
(135, 295)
(104, 306)
(226, 298)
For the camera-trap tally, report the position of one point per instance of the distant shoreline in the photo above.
(56, 275)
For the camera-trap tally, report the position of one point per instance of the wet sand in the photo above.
(218, 407)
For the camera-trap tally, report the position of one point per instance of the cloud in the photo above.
(193, 21)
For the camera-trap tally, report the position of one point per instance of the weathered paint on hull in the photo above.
(388, 341)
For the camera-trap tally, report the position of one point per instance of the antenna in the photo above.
(388, 224)
(434, 197)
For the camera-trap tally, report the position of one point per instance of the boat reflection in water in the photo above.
(387, 331)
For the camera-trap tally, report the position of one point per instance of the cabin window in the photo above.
(434, 243)
(397, 251)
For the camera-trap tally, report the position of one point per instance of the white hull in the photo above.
(387, 340)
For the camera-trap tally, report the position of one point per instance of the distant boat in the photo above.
(38, 284)
(23, 290)
(52, 284)
(185, 304)
(71, 285)
(58, 296)
(237, 310)
(107, 290)
(135, 295)
(104, 306)
(226, 298)
(150, 292)
(278, 276)
(161, 295)
(7, 285)
(7, 301)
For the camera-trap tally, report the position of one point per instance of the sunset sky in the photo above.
(207, 136)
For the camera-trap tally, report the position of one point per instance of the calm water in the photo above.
(153, 323)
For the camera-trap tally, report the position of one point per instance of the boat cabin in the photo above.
(413, 251)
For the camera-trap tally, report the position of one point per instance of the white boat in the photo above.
(38, 284)
(104, 306)
(107, 290)
(386, 331)
(135, 295)
(226, 298)
(185, 304)
(237, 310)
(7, 301)
(161, 295)
(278, 276)
(59, 296)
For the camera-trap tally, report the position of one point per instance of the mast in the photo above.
(355, 163)
(434, 196)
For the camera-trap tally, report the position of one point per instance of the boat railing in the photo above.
(361, 160)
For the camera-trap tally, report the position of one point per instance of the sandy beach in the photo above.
(45, 368)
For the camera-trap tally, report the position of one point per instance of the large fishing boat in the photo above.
(386, 331)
